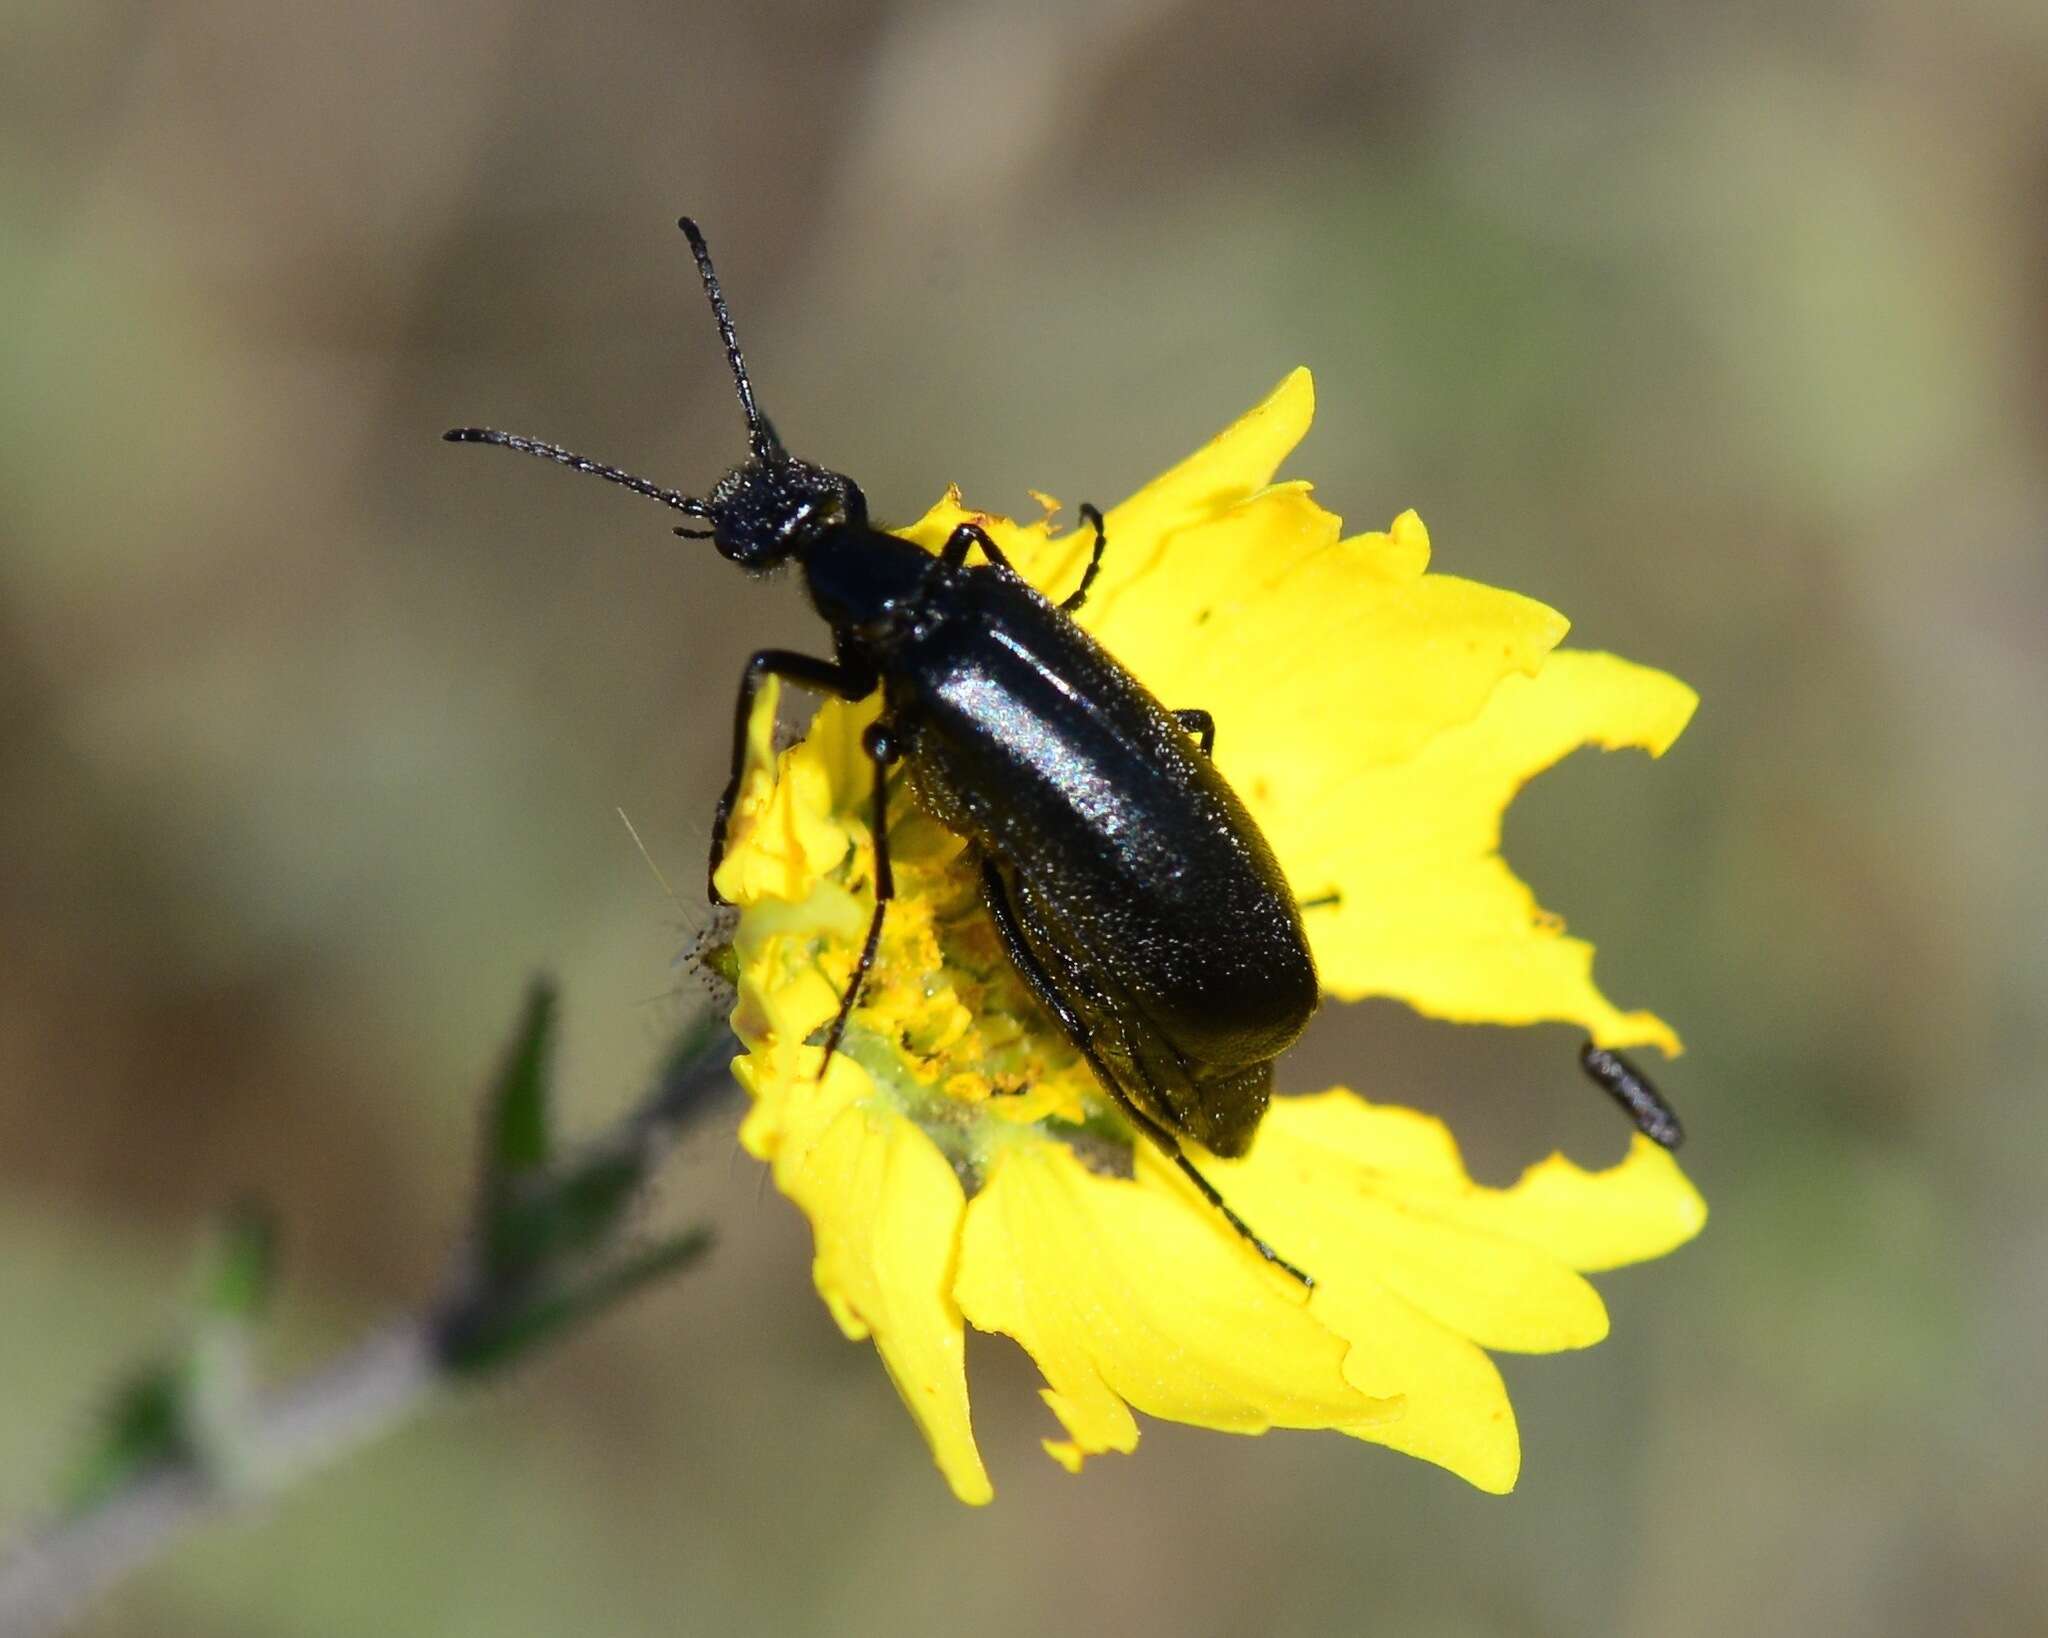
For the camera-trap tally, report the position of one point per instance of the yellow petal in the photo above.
(1227, 471)
(1641, 1208)
(1128, 1298)
(1453, 1408)
(1419, 1266)
(1319, 657)
(782, 834)
(784, 992)
(1455, 1412)
(1318, 1189)
(1376, 718)
(885, 1208)
(1233, 466)
(1304, 1189)
(1429, 911)
(1023, 543)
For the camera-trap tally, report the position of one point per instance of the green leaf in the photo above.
(239, 1269)
(216, 1377)
(494, 1334)
(143, 1427)
(550, 1219)
(519, 1134)
(694, 1075)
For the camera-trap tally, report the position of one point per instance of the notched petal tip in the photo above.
(1127, 1299)
(1432, 914)
(1641, 1207)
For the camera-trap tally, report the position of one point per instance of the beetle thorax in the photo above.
(871, 587)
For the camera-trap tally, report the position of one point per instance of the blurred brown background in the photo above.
(1721, 328)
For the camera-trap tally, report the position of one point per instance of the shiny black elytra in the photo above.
(1130, 886)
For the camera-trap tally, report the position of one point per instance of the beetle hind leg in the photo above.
(964, 539)
(1202, 725)
(996, 894)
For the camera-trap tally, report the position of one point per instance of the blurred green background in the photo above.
(1720, 328)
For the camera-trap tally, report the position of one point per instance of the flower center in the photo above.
(946, 1028)
(948, 1025)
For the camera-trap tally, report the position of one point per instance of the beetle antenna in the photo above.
(582, 463)
(760, 435)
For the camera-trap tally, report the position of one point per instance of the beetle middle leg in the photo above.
(1004, 914)
(1202, 726)
(883, 751)
(964, 538)
(827, 676)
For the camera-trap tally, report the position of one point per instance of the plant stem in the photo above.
(293, 1432)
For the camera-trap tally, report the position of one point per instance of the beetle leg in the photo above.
(826, 676)
(1035, 976)
(882, 750)
(1079, 595)
(1631, 1088)
(954, 552)
(1202, 726)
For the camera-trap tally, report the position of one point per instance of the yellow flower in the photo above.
(958, 1162)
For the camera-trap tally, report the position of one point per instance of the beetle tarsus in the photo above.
(882, 750)
(1079, 595)
(853, 987)
(1202, 725)
(1209, 1192)
(1632, 1089)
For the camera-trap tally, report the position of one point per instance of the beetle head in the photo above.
(768, 510)
(771, 507)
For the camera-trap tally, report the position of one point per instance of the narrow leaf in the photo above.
(143, 1427)
(518, 1135)
(492, 1336)
(239, 1269)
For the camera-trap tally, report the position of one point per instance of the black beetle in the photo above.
(1130, 885)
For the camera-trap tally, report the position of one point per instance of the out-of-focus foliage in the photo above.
(1721, 330)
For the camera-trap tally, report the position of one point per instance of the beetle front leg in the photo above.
(826, 676)
(1202, 726)
(884, 751)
